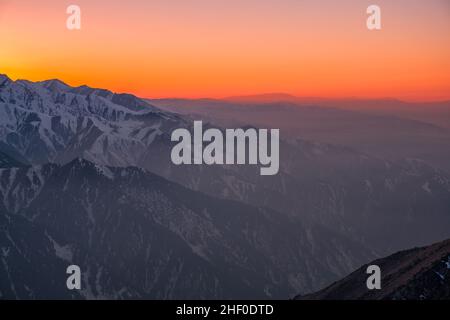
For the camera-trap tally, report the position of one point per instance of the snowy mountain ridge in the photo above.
(137, 235)
(40, 121)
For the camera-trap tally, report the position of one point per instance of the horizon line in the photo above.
(248, 96)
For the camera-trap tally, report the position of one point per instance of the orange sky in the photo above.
(214, 48)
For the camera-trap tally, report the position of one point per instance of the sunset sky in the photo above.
(212, 48)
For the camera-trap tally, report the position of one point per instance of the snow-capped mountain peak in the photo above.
(49, 121)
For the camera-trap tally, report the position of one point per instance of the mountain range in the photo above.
(86, 178)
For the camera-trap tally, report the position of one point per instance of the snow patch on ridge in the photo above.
(62, 252)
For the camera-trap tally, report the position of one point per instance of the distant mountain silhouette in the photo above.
(265, 97)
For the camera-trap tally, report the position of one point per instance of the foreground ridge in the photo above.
(415, 274)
